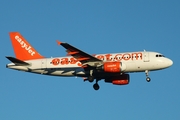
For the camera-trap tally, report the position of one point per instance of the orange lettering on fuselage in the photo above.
(120, 57)
(55, 61)
(64, 61)
(108, 57)
(73, 61)
(101, 57)
(105, 57)
(136, 55)
(126, 56)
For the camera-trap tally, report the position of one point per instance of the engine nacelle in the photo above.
(119, 80)
(113, 67)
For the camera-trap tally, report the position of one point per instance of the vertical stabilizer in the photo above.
(22, 49)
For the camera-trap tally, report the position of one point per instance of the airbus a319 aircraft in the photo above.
(113, 68)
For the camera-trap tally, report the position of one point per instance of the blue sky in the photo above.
(96, 26)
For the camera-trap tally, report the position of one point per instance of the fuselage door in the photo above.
(146, 56)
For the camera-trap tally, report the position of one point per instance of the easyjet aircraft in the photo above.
(113, 68)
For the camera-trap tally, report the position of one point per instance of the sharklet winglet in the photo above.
(58, 42)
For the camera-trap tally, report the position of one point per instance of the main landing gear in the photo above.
(148, 79)
(96, 85)
(90, 77)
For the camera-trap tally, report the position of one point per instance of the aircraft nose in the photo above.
(169, 62)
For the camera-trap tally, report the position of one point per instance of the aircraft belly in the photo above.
(61, 73)
(79, 72)
(65, 71)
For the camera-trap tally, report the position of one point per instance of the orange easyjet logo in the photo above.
(24, 45)
(106, 57)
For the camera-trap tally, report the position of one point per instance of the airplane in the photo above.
(112, 67)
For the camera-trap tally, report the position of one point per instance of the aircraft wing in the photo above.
(84, 58)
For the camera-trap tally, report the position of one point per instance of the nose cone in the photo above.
(169, 62)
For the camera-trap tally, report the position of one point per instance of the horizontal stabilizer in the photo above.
(17, 61)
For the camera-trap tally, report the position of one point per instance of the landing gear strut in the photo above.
(96, 86)
(91, 77)
(148, 79)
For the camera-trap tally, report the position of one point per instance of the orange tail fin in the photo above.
(23, 50)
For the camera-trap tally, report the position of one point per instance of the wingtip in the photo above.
(58, 42)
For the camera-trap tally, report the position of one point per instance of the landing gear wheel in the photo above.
(96, 86)
(148, 79)
(90, 78)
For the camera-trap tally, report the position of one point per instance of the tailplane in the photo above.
(17, 61)
(23, 50)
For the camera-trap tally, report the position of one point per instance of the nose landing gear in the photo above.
(148, 79)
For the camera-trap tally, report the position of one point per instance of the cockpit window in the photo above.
(159, 55)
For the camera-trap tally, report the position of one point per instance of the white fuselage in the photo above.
(69, 66)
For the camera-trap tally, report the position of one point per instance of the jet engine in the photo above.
(119, 80)
(112, 67)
